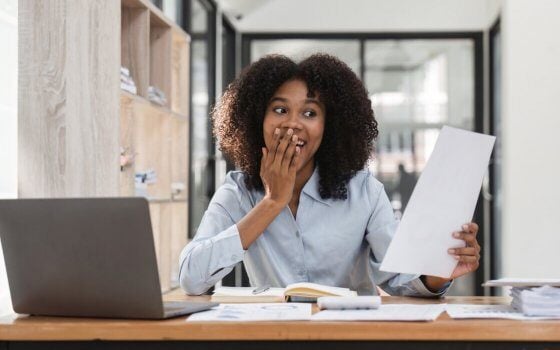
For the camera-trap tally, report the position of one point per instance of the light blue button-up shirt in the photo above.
(332, 242)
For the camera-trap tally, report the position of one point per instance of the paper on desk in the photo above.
(444, 199)
(255, 312)
(385, 312)
(490, 311)
(523, 282)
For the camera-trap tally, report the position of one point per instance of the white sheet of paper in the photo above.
(254, 312)
(247, 292)
(523, 282)
(444, 199)
(489, 311)
(386, 312)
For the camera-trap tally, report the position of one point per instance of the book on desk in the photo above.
(296, 292)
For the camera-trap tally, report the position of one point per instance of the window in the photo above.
(417, 83)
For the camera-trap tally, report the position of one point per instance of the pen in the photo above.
(259, 290)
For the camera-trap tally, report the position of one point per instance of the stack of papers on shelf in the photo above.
(156, 96)
(536, 301)
(307, 292)
(149, 176)
(254, 312)
(141, 181)
(127, 83)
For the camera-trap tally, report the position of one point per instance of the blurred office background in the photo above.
(484, 65)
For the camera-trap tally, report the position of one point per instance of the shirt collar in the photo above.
(311, 188)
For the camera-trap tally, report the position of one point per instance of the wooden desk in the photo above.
(23, 332)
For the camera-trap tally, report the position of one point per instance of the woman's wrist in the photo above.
(433, 283)
(272, 205)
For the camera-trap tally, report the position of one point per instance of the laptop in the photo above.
(87, 257)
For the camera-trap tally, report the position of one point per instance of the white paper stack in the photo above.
(127, 83)
(156, 96)
(536, 301)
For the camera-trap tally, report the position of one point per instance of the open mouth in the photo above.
(301, 143)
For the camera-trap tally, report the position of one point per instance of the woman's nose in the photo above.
(292, 122)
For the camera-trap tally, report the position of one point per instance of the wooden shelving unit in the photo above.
(74, 119)
(156, 52)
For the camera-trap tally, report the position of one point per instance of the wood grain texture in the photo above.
(160, 59)
(180, 67)
(135, 46)
(160, 214)
(127, 143)
(179, 233)
(152, 144)
(164, 262)
(15, 327)
(180, 155)
(68, 98)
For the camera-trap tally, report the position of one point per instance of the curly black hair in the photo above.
(350, 126)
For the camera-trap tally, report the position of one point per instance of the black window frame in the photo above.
(476, 36)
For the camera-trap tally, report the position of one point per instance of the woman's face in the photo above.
(291, 108)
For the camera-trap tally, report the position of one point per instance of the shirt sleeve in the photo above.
(381, 228)
(216, 247)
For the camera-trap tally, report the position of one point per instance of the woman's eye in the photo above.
(279, 110)
(309, 114)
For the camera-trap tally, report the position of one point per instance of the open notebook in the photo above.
(294, 292)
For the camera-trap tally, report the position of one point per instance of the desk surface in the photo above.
(20, 327)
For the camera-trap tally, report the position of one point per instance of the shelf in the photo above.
(144, 101)
(156, 52)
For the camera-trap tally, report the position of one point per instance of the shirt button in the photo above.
(298, 234)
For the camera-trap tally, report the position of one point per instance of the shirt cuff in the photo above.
(424, 291)
(230, 245)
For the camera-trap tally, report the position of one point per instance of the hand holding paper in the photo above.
(444, 199)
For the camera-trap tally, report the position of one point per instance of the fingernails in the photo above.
(451, 251)
(290, 131)
(294, 138)
(465, 227)
(456, 257)
(276, 131)
(297, 149)
(456, 234)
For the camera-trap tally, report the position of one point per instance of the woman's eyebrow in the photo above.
(285, 100)
(312, 100)
(280, 99)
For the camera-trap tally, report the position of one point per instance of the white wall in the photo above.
(531, 144)
(8, 122)
(367, 15)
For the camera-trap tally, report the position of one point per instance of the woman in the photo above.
(303, 207)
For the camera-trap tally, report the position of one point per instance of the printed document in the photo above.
(443, 200)
(255, 312)
(491, 311)
(386, 312)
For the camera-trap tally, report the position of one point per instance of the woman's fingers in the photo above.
(283, 144)
(469, 259)
(471, 227)
(289, 154)
(264, 159)
(293, 164)
(474, 251)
